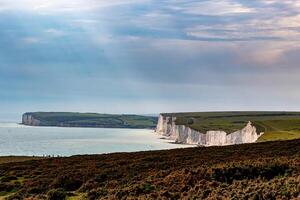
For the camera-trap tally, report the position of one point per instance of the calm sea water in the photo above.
(17, 139)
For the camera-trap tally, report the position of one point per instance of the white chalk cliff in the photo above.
(182, 134)
(28, 119)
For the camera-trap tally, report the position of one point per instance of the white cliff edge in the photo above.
(28, 119)
(182, 134)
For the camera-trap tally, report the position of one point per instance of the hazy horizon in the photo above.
(148, 56)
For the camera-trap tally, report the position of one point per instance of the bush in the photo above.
(16, 196)
(9, 178)
(101, 178)
(68, 183)
(6, 187)
(96, 194)
(148, 188)
(190, 121)
(57, 194)
(268, 172)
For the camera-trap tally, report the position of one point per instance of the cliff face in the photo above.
(182, 134)
(29, 120)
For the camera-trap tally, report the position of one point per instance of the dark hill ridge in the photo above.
(269, 170)
(70, 119)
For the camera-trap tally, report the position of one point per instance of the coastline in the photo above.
(93, 127)
(69, 141)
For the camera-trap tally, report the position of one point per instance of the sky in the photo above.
(148, 56)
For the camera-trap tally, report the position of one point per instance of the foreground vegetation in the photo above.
(269, 170)
(12, 159)
(275, 125)
(69, 119)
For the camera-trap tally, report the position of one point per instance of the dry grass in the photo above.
(10, 159)
(268, 170)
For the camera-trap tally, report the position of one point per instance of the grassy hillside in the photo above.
(269, 170)
(93, 120)
(276, 125)
(12, 159)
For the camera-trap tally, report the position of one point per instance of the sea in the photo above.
(20, 140)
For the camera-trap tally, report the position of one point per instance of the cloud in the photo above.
(207, 7)
(55, 32)
(30, 40)
(283, 29)
(267, 21)
(159, 55)
(55, 6)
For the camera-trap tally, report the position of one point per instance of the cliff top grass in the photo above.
(275, 125)
(93, 120)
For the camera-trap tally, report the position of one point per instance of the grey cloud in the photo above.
(142, 56)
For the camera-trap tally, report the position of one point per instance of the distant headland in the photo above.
(92, 120)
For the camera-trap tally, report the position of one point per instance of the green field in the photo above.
(69, 119)
(275, 125)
